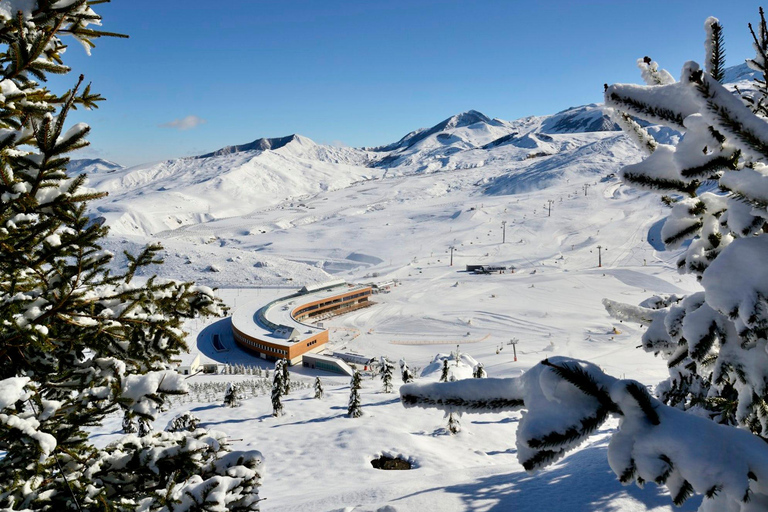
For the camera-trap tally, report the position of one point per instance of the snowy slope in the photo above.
(194, 190)
(92, 166)
(260, 220)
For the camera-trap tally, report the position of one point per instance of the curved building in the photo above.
(280, 329)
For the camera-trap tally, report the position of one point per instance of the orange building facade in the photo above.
(323, 303)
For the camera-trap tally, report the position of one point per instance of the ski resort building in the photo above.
(281, 329)
(327, 363)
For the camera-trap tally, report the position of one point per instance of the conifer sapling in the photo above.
(444, 373)
(405, 374)
(387, 368)
(354, 409)
(286, 377)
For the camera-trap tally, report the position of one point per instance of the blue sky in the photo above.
(198, 75)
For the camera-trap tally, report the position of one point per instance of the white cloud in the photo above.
(185, 123)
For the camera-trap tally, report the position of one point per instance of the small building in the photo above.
(327, 363)
(383, 287)
(352, 358)
(190, 363)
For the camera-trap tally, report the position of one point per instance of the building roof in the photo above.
(331, 360)
(272, 321)
(321, 286)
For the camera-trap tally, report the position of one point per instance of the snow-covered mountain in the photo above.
(587, 118)
(525, 154)
(536, 194)
(147, 199)
(91, 166)
(242, 196)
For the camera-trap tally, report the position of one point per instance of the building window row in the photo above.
(260, 346)
(331, 302)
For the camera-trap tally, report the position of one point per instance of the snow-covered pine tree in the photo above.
(232, 395)
(184, 421)
(444, 373)
(318, 388)
(145, 427)
(454, 426)
(354, 409)
(715, 340)
(387, 368)
(79, 342)
(277, 389)
(286, 377)
(478, 372)
(129, 425)
(405, 372)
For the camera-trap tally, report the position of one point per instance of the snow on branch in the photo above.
(471, 395)
(662, 104)
(567, 400)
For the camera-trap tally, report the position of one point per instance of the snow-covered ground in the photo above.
(260, 224)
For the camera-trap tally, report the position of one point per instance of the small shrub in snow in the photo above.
(405, 372)
(454, 427)
(184, 421)
(144, 427)
(232, 395)
(129, 425)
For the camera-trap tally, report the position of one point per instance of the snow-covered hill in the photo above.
(148, 199)
(536, 194)
(92, 166)
(238, 180)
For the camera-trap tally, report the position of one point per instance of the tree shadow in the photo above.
(233, 353)
(508, 419)
(207, 424)
(582, 482)
(313, 420)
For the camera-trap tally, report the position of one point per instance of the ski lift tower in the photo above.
(513, 342)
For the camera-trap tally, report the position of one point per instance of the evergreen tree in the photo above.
(181, 422)
(232, 395)
(386, 374)
(79, 342)
(479, 371)
(129, 426)
(277, 389)
(354, 410)
(405, 374)
(286, 377)
(145, 427)
(707, 431)
(318, 388)
(444, 374)
(726, 142)
(454, 427)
